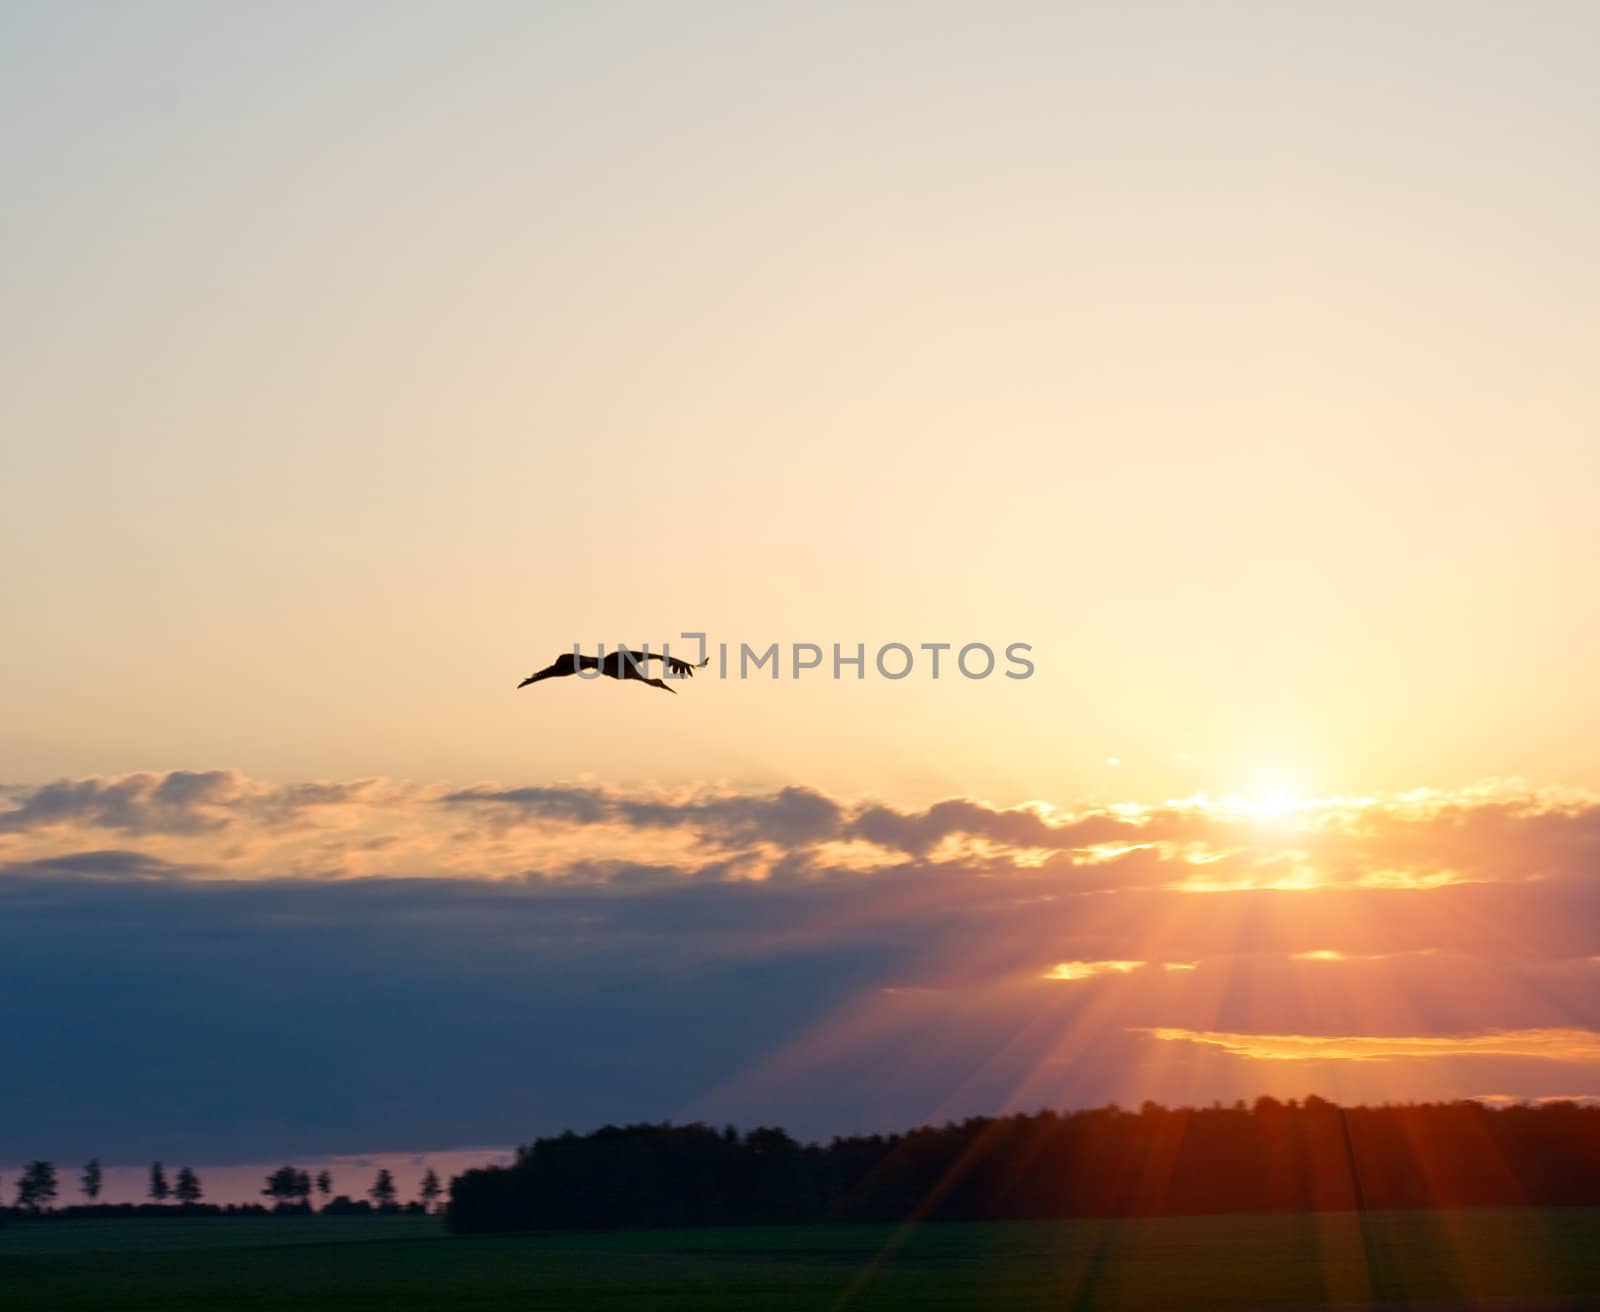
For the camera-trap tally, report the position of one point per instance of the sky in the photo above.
(1234, 358)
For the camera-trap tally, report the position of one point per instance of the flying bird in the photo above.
(618, 665)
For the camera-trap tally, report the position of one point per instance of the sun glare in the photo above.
(1273, 796)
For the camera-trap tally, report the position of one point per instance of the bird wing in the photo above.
(674, 664)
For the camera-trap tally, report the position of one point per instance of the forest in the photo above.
(1310, 1155)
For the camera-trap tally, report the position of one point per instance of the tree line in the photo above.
(37, 1190)
(1270, 1156)
(291, 1187)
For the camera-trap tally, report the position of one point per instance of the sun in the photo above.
(1273, 796)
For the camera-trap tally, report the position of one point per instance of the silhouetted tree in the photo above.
(287, 1184)
(91, 1180)
(430, 1189)
(383, 1191)
(324, 1185)
(280, 1184)
(187, 1188)
(159, 1190)
(36, 1189)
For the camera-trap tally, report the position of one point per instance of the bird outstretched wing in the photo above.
(674, 664)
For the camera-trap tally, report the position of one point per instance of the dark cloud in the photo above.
(576, 806)
(167, 1015)
(177, 802)
(792, 816)
(224, 1019)
(796, 816)
(180, 801)
(111, 863)
(919, 832)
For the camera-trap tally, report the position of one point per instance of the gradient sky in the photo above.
(361, 358)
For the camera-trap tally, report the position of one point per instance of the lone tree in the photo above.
(383, 1191)
(36, 1190)
(430, 1189)
(187, 1189)
(160, 1190)
(324, 1185)
(92, 1179)
(287, 1184)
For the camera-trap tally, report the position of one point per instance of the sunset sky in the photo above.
(1238, 358)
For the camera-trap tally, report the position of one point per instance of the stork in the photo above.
(620, 664)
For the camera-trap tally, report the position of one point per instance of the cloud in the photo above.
(790, 817)
(180, 801)
(151, 1010)
(1334, 955)
(1076, 970)
(1413, 841)
(225, 1020)
(1570, 1045)
(253, 968)
(228, 822)
(1073, 971)
(577, 806)
(111, 863)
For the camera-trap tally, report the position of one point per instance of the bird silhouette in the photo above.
(620, 664)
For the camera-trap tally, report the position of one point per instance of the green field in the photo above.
(1505, 1259)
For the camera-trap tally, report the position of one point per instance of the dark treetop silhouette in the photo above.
(620, 664)
(1311, 1156)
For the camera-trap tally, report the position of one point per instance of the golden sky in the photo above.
(1236, 358)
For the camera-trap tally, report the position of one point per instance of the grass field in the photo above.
(1500, 1259)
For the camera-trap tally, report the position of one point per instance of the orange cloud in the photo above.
(1574, 1045)
(224, 823)
(1076, 970)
